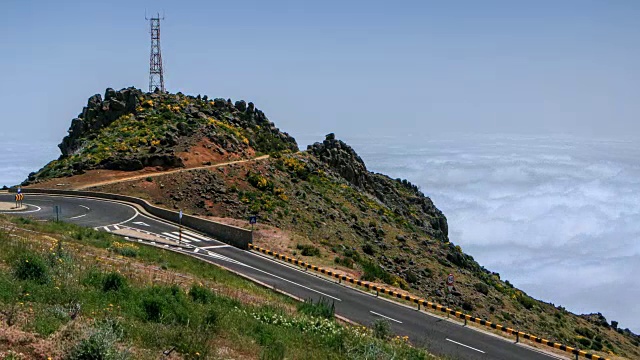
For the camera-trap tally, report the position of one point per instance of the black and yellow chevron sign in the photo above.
(19, 197)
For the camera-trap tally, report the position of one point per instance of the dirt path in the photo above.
(156, 174)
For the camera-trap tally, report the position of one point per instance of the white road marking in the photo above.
(131, 218)
(175, 237)
(214, 246)
(221, 257)
(386, 317)
(106, 228)
(116, 227)
(141, 223)
(86, 207)
(38, 208)
(196, 250)
(77, 217)
(187, 237)
(197, 236)
(467, 346)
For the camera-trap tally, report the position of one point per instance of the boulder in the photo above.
(241, 105)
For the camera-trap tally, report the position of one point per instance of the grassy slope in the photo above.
(151, 300)
(354, 232)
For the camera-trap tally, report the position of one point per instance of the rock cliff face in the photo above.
(98, 114)
(341, 158)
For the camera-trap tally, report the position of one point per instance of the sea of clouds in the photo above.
(19, 157)
(558, 217)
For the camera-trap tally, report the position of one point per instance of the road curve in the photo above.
(440, 336)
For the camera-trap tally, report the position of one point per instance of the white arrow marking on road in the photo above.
(467, 346)
(386, 317)
(141, 223)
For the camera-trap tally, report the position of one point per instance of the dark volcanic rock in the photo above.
(98, 114)
(343, 159)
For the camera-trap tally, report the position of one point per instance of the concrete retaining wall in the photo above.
(231, 235)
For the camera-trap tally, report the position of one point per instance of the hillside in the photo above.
(73, 293)
(321, 204)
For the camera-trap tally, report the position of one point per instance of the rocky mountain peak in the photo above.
(343, 159)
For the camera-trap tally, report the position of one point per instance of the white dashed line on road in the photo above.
(214, 246)
(467, 346)
(77, 217)
(386, 317)
(86, 207)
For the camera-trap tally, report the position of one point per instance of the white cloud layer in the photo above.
(558, 217)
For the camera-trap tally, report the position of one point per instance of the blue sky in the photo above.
(350, 67)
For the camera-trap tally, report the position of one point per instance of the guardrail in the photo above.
(229, 234)
(428, 304)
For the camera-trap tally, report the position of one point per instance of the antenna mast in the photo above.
(156, 74)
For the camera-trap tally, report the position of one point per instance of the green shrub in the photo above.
(467, 306)
(411, 277)
(274, 351)
(201, 294)
(321, 308)
(308, 250)
(381, 329)
(368, 249)
(525, 300)
(482, 288)
(193, 342)
(211, 318)
(31, 267)
(124, 249)
(586, 332)
(113, 281)
(586, 343)
(344, 261)
(371, 272)
(165, 305)
(99, 345)
(154, 308)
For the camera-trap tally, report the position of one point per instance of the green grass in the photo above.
(126, 313)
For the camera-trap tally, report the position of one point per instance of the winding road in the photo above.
(440, 336)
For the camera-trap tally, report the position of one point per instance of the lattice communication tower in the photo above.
(156, 74)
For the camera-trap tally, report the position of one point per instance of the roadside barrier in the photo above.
(428, 304)
(229, 234)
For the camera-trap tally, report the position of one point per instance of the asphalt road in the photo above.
(440, 336)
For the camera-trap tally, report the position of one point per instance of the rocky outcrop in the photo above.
(402, 197)
(98, 114)
(343, 159)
